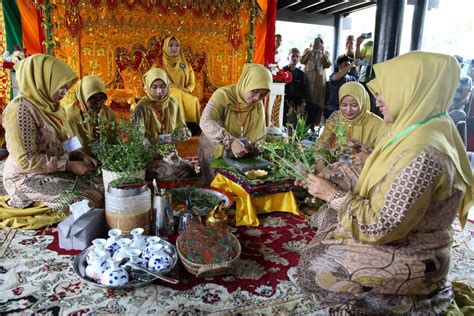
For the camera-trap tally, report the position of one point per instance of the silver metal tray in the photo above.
(139, 278)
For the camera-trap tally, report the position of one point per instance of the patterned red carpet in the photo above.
(35, 277)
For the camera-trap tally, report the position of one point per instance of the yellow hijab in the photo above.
(167, 115)
(39, 77)
(176, 67)
(86, 88)
(416, 86)
(241, 114)
(365, 126)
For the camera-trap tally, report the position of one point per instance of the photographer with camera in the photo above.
(316, 61)
(365, 56)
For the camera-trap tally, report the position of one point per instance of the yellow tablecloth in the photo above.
(248, 207)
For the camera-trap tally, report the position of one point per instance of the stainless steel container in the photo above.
(163, 213)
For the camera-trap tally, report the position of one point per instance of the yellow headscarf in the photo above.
(39, 77)
(365, 126)
(176, 67)
(86, 88)
(416, 86)
(166, 112)
(253, 77)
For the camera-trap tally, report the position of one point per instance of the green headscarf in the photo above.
(253, 77)
(162, 116)
(416, 86)
(39, 77)
(365, 126)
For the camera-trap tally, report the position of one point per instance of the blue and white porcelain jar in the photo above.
(159, 260)
(111, 245)
(139, 240)
(123, 247)
(98, 264)
(115, 275)
(151, 241)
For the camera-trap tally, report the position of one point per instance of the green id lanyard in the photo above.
(412, 127)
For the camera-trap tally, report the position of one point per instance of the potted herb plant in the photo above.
(122, 149)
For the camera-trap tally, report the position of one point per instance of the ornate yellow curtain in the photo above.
(118, 40)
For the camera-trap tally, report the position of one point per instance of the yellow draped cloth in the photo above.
(248, 207)
(158, 116)
(426, 93)
(37, 216)
(180, 72)
(76, 111)
(364, 128)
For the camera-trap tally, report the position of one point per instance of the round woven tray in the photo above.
(210, 270)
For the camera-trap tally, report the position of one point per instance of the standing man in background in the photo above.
(364, 56)
(316, 61)
(278, 58)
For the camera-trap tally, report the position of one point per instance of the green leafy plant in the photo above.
(121, 146)
(341, 131)
(292, 159)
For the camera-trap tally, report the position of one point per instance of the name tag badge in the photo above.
(164, 138)
(72, 144)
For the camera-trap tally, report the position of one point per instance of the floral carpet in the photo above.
(37, 277)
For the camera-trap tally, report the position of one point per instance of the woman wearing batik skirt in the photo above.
(163, 120)
(39, 169)
(388, 249)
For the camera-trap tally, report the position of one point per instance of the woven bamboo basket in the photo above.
(209, 270)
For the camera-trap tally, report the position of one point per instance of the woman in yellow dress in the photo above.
(87, 108)
(233, 112)
(388, 250)
(181, 76)
(41, 166)
(350, 135)
(161, 116)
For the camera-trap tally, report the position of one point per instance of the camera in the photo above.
(366, 35)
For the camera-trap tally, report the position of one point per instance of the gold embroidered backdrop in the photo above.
(119, 40)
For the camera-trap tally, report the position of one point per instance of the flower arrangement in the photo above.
(9, 60)
(279, 75)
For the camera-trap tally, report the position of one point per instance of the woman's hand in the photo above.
(359, 158)
(81, 156)
(238, 148)
(320, 188)
(79, 168)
